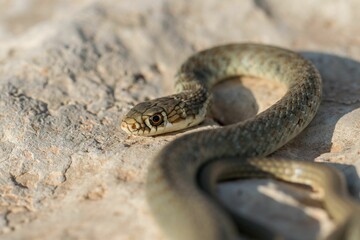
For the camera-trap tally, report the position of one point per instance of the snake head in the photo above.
(158, 116)
(144, 119)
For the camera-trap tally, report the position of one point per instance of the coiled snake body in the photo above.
(185, 211)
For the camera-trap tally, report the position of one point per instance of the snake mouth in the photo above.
(124, 127)
(130, 126)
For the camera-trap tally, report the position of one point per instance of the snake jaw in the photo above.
(130, 126)
(144, 127)
(141, 125)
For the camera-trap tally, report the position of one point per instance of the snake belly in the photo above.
(183, 210)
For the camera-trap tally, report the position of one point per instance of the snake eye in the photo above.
(156, 119)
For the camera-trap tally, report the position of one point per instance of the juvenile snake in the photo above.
(192, 163)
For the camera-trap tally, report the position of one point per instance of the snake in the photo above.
(182, 177)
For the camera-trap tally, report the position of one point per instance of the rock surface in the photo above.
(69, 71)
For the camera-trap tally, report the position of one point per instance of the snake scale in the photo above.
(183, 176)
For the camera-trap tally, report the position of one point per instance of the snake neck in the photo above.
(196, 97)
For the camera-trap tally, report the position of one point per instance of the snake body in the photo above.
(185, 211)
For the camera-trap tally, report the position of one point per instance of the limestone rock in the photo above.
(69, 71)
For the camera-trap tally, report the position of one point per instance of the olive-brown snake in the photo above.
(185, 211)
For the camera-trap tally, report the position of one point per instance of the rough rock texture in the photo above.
(69, 71)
